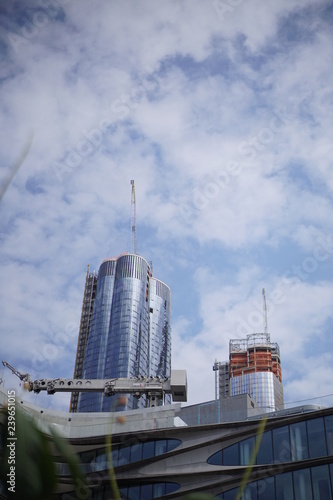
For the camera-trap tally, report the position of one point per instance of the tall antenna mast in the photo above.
(133, 219)
(265, 312)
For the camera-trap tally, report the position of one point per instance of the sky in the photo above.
(221, 111)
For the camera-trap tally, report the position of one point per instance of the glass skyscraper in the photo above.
(129, 329)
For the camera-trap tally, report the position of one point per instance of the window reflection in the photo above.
(266, 489)
(316, 437)
(281, 444)
(302, 484)
(265, 451)
(126, 454)
(298, 441)
(231, 455)
(321, 483)
(312, 483)
(329, 433)
(246, 448)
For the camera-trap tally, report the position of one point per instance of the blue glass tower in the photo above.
(129, 332)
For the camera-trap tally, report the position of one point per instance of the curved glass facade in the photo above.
(130, 333)
(122, 454)
(289, 443)
(311, 483)
(160, 330)
(263, 387)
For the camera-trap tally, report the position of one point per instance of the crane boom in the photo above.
(22, 376)
(153, 387)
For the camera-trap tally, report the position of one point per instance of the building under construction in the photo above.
(254, 368)
(87, 309)
(254, 354)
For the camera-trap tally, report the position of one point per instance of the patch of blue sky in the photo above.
(24, 12)
(215, 64)
(185, 299)
(298, 175)
(327, 12)
(72, 75)
(33, 186)
(298, 27)
(321, 342)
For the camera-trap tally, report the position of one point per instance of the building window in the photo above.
(148, 491)
(231, 455)
(246, 449)
(284, 486)
(265, 451)
(302, 484)
(298, 442)
(216, 459)
(126, 454)
(266, 489)
(329, 433)
(316, 436)
(281, 444)
(321, 483)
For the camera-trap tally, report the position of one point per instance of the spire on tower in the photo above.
(133, 219)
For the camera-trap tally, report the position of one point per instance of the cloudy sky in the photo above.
(221, 111)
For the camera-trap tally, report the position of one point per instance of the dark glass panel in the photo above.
(158, 490)
(246, 449)
(173, 443)
(302, 484)
(329, 433)
(321, 483)
(231, 494)
(136, 452)
(265, 451)
(171, 487)
(231, 455)
(160, 447)
(298, 441)
(123, 492)
(146, 492)
(281, 445)
(148, 450)
(284, 486)
(124, 455)
(316, 437)
(266, 489)
(133, 493)
(250, 491)
(215, 459)
(87, 457)
(101, 459)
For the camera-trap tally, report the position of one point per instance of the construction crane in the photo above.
(25, 377)
(133, 219)
(265, 312)
(153, 387)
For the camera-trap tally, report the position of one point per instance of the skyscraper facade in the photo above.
(129, 331)
(254, 368)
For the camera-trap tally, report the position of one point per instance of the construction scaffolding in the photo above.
(256, 353)
(87, 309)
